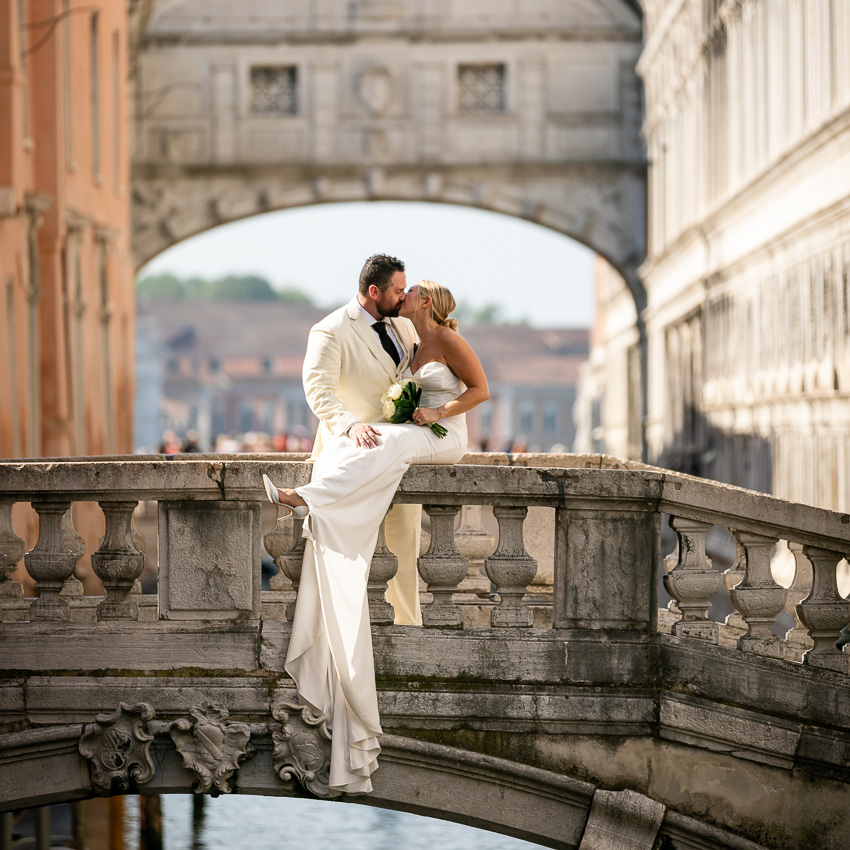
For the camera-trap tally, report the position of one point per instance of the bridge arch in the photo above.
(167, 212)
(416, 777)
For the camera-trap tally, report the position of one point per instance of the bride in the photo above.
(330, 650)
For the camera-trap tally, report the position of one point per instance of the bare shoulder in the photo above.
(452, 342)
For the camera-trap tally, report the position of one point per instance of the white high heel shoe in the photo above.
(299, 511)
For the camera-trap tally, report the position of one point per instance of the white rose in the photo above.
(389, 409)
(395, 391)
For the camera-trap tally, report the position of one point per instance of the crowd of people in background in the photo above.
(298, 440)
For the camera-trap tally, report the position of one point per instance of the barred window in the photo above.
(274, 90)
(481, 88)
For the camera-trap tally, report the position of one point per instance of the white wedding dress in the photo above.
(330, 650)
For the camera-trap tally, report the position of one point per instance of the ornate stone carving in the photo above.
(211, 747)
(302, 748)
(118, 747)
(374, 88)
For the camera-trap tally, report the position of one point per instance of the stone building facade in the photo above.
(532, 110)
(66, 271)
(748, 303)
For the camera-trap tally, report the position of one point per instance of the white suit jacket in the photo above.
(346, 370)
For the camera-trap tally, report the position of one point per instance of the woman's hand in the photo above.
(426, 415)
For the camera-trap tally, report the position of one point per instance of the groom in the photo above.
(353, 355)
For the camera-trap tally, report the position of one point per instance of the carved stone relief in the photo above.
(118, 747)
(211, 747)
(375, 87)
(302, 748)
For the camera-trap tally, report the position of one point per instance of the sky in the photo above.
(533, 273)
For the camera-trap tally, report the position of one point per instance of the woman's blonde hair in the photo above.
(442, 303)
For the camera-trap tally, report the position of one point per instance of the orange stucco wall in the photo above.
(66, 272)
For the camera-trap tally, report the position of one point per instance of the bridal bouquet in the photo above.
(399, 402)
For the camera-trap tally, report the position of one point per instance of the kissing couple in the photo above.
(387, 334)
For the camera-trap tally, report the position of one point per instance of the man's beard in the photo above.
(389, 312)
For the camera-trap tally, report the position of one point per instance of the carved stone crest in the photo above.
(302, 748)
(211, 746)
(374, 88)
(118, 747)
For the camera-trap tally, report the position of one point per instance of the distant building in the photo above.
(221, 367)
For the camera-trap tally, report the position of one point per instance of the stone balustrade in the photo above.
(606, 545)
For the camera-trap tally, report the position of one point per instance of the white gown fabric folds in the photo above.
(330, 650)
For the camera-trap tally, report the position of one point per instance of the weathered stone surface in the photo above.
(745, 734)
(605, 567)
(622, 820)
(42, 766)
(111, 645)
(209, 561)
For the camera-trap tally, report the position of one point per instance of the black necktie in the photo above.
(386, 342)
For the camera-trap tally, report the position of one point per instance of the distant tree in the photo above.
(164, 286)
(293, 295)
(247, 287)
(233, 287)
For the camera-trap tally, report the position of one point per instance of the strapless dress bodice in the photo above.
(439, 384)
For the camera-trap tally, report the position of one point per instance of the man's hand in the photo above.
(365, 436)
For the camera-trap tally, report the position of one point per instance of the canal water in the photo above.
(257, 823)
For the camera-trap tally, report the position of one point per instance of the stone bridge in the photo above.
(564, 708)
(529, 109)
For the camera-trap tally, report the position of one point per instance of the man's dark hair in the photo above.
(377, 271)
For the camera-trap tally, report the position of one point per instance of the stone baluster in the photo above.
(797, 639)
(384, 567)
(12, 604)
(278, 542)
(823, 612)
(289, 563)
(511, 569)
(74, 542)
(443, 568)
(118, 563)
(735, 625)
(758, 597)
(50, 563)
(475, 543)
(692, 582)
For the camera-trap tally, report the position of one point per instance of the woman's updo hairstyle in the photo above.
(442, 303)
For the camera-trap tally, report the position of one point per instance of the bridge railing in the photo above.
(606, 540)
